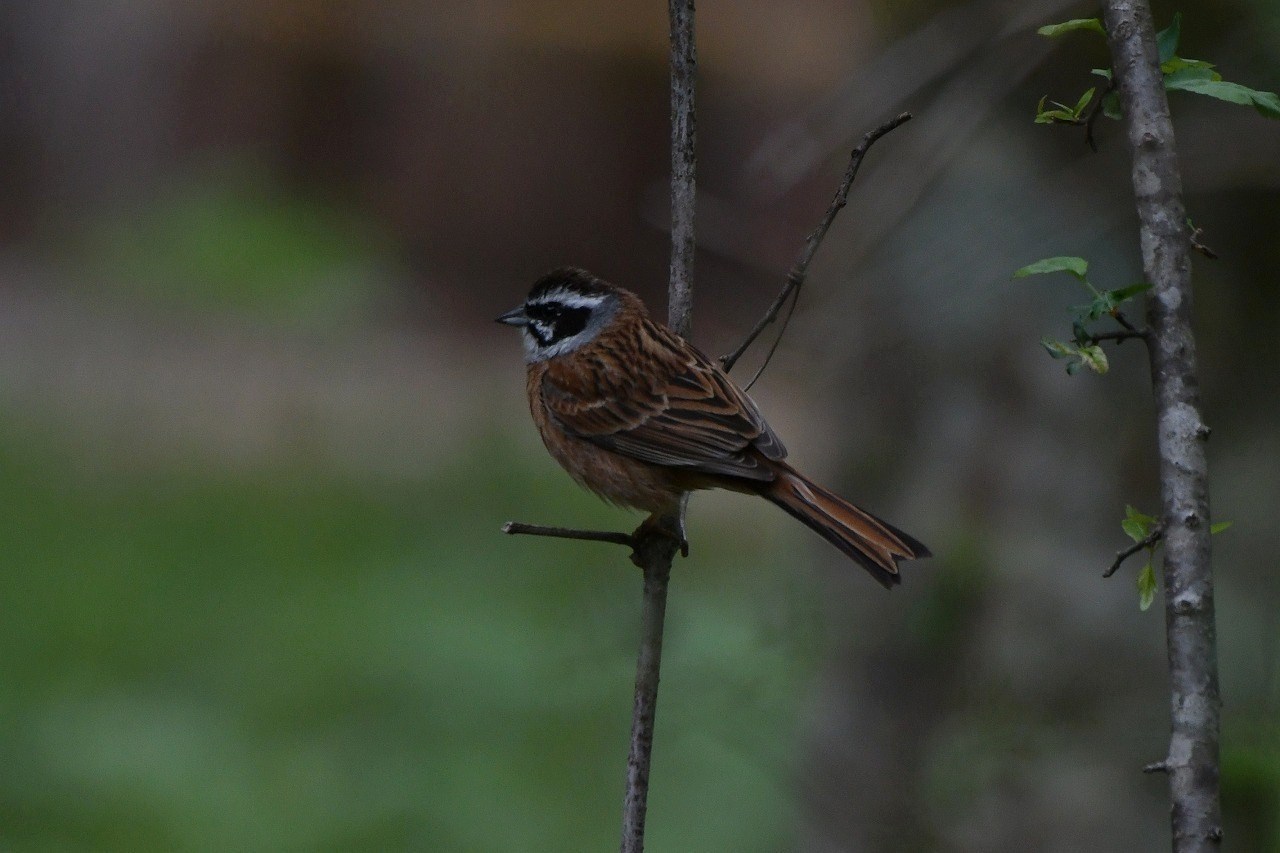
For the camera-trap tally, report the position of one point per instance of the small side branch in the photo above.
(1127, 331)
(795, 278)
(1156, 534)
(1200, 247)
(1118, 335)
(514, 528)
(1094, 111)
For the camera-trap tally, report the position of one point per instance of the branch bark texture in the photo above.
(654, 552)
(1192, 762)
(684, 135)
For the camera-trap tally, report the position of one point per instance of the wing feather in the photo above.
(673, 406)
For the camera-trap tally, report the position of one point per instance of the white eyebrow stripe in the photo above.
(568, 300)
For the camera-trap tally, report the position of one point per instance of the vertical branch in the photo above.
(654, 554)
(684, 134)
(1192, 762)
(654, 551)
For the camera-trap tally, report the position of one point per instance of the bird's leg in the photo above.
(667, 524)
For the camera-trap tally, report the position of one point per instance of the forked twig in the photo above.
(1156, 534)
(796, 277)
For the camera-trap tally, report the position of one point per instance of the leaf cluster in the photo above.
(1083, 349)
(1139, 527)
(1180, 75)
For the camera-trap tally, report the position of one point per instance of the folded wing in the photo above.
(688, 414)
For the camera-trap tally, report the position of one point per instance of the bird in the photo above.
(639, 416)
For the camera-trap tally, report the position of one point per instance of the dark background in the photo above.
(258, 432)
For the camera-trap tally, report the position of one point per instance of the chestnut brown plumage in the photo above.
(639, 416)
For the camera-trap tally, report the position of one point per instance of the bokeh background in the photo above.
(258, 431)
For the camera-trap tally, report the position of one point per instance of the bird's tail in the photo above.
(874, 544)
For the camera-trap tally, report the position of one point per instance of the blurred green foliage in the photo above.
(293, 659)
(233, 238)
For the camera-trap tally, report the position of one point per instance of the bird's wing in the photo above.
(668, 405)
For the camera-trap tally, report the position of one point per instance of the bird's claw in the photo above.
(657, 526)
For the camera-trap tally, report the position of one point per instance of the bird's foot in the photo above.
(668, 527)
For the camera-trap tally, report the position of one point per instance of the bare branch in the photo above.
(1094, 111)
(684, 135)
(1190, 629)
(1156, 767)
(520, 528)
(654, 554)
(656, 545)
(1201, 247)
(1119, 335)
(1119, 317)
(1152, 538)
(795, 278)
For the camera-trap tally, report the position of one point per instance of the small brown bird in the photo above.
(639, 416)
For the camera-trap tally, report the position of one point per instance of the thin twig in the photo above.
(656, 545)
(795, 278)
(1201, 247)
(519, 527)
(1118, 335)
(1156, 767)
(1119, 317)
(1094, 111)
(1156, 534)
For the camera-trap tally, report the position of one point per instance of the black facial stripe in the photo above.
(555, 321)
(570, 322)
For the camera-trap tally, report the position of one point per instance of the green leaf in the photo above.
(1055, 30)
(1099, 307)
(1104, 73)
(1062, 116)
(1083, 102)
(1064, 113)
(1111, 106)
(1134, 529)
(1167, 41)
(1108, 301)
(1136, 524)
(1073, 367)
(1199, 66)
(1175, 80)
(1146, 587)
(1058, 349)
(1076, 266)
(1219, 527)
(1095, 359)
(1124, 294)
(1267, 103)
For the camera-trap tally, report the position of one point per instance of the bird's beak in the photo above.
(514, 317)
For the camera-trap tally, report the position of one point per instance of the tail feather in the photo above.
(876, 545)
